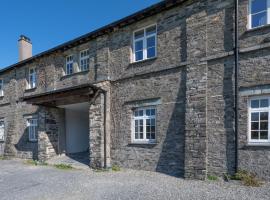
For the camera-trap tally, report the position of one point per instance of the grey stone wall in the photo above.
(191, 79)
(167, 155)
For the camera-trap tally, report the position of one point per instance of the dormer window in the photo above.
(32, 79)
(84, 60)
(69, 64)
(1, 87)
(258, 13)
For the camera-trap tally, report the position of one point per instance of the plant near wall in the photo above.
(247, 178)
(212, 177)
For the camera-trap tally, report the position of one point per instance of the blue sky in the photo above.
(51, 22)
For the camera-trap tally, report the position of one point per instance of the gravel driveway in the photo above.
(21, 181)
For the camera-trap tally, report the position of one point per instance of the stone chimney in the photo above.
(25, 48)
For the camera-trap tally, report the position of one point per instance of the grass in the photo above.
(2, 158)
(101, 170)
(212, 177)
(116, 168)
(35, 163)
(247, 178)
(63, 166)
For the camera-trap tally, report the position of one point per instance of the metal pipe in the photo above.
(236, 76)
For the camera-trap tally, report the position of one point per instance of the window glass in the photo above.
(145, 44)
(259, 19)
(32, 129)
(258, 13)
(151, 30)
(145, 124)
(258, 6)
(69, 65)
(139, 34)
(259, 120)
(84, 60)
(255, 103)
(2, 130)
(1, 87)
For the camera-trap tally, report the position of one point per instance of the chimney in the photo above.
(25, 48)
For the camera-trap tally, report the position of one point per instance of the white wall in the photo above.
(77, 131)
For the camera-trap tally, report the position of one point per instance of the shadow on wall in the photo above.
(48, 141)
(228, 93)
(25, 148)
(172, 156)
(171, 160)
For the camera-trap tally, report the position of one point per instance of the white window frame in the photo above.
(82, 58)
(69, 61)
(1, 87)
(250, 15)
(2, 125)
(144, 118)
(144, 43)
(250, 110)
(32, 132)
(32, 84)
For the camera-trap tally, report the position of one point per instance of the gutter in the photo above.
(236, 86)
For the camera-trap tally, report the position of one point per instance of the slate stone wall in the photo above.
(190, 82)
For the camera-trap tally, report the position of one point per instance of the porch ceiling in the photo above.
(71, 95)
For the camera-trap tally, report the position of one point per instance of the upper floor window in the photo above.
(144, 125)
(32, 79)
(69, 64)
(32, 129)
(145, 43)
(259, 14)
(84, 60)
(259, 111)
(1, 87)
(2, 130)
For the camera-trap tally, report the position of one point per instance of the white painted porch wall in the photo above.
(77, 131)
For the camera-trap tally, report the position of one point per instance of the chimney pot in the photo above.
(25, 47)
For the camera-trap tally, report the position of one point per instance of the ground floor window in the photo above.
(144, 125)
(32, 129)
(2, 130)
(259, 111)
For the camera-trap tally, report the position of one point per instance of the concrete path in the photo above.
(76, 160)
(20, 181)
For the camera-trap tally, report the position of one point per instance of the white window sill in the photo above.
(144, 142)
(145, 60)
(258, 28)
(258, 144)
(29, 89)
(73, 74)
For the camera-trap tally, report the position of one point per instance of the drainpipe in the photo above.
(236, 74)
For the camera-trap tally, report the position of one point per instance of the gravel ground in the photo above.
(21, 181)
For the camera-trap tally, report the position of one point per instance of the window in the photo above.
(144, 43)
(2, 130)
(32, 129)
(1, 87)
(259, 14)
(259, 120)
(32, 79)
(84, 60)
(69, 64)
(144, 125)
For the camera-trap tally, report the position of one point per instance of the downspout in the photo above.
(105, 134)
(236, 76)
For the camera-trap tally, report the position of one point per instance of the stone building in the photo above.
(152, 91)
